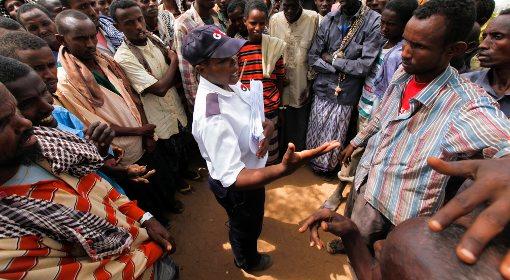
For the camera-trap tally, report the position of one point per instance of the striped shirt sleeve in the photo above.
(480, 125)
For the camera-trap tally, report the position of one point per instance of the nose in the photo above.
(47, 74)
(484, 45)
(21, 124)
(406, 51)
(139, 26)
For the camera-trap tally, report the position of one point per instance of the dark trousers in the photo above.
(245, 210)
(151, 197)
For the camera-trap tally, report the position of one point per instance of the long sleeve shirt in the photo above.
(360, 55)
(449, 118)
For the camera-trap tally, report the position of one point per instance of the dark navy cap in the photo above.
(209, 41)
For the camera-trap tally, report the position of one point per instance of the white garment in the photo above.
(165, 112)
(298, 37)
(223, 136)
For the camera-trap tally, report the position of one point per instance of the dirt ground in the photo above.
(203, 251)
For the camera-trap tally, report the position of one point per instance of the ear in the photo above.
(472, 46)
(60, 39)
(456, 49)
(199, 68)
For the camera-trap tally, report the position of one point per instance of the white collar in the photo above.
(210, 87)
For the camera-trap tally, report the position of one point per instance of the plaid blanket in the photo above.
(21, 216)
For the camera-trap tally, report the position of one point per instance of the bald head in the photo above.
(412, 251)
(68, 20)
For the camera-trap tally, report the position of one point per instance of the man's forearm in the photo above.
(126, 131)
(361, 259)
(161, 87)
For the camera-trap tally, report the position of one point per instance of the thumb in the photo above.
(291, 148)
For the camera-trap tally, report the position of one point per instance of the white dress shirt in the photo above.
(221, 127)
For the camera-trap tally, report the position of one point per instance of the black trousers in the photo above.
(151, 197)
(245, 210)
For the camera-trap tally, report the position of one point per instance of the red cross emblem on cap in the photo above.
(217, 34)
(244, 88)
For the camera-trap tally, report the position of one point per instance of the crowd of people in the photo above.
(106, 106)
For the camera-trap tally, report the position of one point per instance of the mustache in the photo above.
(26, 134)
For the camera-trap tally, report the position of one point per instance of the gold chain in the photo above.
(356, 25)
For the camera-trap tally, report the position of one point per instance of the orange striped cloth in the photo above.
(36, 257)
(252, 54)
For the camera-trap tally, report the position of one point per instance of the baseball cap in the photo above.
(209, 41)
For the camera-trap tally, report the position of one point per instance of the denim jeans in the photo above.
(245, 210)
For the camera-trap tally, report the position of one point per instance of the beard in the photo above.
(24, 155)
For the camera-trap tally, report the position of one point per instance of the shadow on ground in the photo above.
(203, 251)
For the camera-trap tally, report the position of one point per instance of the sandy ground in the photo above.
(203, 251)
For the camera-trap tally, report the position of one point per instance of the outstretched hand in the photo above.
(491, 185)
(293, 160)
(329, 221)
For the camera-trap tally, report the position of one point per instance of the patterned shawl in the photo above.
(21, 216)
(67, 152)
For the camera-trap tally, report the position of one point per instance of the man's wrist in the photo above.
(146, 217)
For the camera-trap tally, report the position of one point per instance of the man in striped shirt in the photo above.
(428, 110)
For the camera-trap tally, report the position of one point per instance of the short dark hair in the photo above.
(459, 16)
(28, 7)
(233, 5)
(484, 10)
(61, 23)
(255, 5)
(403, 8)
(66, 3)
(19, 40)
(120, 4)
(505, 12)
(11, 69)
(9, 24)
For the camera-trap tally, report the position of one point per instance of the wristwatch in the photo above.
(147, 216)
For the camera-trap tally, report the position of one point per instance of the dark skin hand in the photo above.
(345, 155)
(359, 256)
(269, 128)
(101, 135)
(327, 57)
(491, 186)
(160, 235)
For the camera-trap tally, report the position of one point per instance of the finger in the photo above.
(487, 225)
(463, 168)
(98, 132)
(91, 129)
(140, 180)
(107, 134)
(459, 206)
(306, 154)
(149, 174)
(162, 242)
(314, 237)
(319, 215)
(504, 268)
(291, 148)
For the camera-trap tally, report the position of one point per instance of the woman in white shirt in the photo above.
(231, 139)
